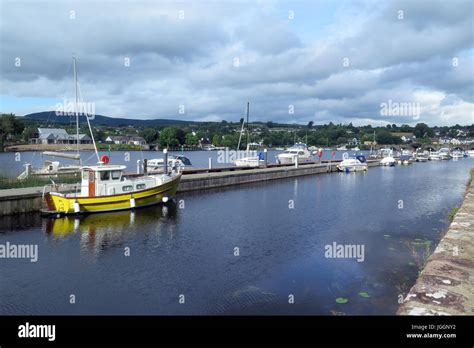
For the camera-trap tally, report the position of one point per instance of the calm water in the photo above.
(190, 250)
(14, 163)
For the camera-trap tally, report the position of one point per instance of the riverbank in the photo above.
(445, 285)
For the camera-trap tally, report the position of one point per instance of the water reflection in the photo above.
(99, 232)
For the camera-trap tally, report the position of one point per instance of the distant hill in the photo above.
(50, 119)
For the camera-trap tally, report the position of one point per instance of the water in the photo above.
(176, 250)
(14, 163)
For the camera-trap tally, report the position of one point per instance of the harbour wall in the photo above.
(446, 284)
(24, 200)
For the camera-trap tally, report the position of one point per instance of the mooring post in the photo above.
(210, 163)
(139, 166)
(265, 154)
(296, 161)
(165, 161)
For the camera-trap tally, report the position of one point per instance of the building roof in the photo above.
(55, 131)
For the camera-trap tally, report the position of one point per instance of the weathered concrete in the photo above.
(24, 200)
(446, 284)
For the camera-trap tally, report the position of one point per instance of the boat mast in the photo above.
(87, 118)
(75, 107)
(248, 131)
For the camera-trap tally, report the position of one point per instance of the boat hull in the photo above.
(59, 204)
(352, 168)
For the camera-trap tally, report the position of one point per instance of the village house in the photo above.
(46, 136)
(126, 140)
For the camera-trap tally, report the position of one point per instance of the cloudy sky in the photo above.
(295, 61)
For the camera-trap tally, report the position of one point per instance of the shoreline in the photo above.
(445, 285)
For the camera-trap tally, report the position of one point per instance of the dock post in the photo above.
(210, 163)
(139, 166)
(296, 161)
(265, 152)
(28, 169)
(165, 161)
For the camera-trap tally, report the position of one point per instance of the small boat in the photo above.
(298, 152)
(249, 160)
(388, 161)
(421, 157)
(342, 148)
(356, 164)
(105, 188)
(434, 156)
(444, 153)
(455, 155)
(178, 161)
(470, 153)
(405, 159)
(52, 168)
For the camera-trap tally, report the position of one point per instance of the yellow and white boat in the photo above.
(104, 188)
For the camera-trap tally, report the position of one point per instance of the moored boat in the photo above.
(355, 164)
(298, 152)
(104, 187)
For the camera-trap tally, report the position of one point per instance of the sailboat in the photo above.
(249, 161)
(105, 188)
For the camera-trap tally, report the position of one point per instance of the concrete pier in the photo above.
(24, 200)
(446, 284)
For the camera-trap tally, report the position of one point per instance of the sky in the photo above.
(365, 62)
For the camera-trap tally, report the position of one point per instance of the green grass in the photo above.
(8, 183)
(453, 213)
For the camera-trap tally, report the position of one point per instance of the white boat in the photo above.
(178, 161)
(470, 153)
(356, 164)
(388, 161)
(457, 155)
(355, 148)
(248, 161)
(342, 148)
(444, 153)
(434, 156)
(52, 168)
(254, 161)
(405, 159)
(298, 152)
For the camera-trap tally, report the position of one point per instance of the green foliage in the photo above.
(169, 137)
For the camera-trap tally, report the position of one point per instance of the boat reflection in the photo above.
(103, 231)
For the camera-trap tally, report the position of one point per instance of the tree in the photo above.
(150, 135)
(191, 139)
(10, 128)
(423, 131)
(168, 137)
(310, 124)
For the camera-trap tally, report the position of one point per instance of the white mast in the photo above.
(87, 118)
(75, 107)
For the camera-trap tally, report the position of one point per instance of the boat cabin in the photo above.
(103, 180)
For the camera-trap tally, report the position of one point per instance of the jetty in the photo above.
(445, 285)
(25, 200)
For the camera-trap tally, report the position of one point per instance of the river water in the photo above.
(249, 249)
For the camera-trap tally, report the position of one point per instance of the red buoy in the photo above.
(105, 159)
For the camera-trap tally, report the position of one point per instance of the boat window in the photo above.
(104, 176)
(301, 153)
(127, 188)
(140, 186)
(116, 175)
(85, 175)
